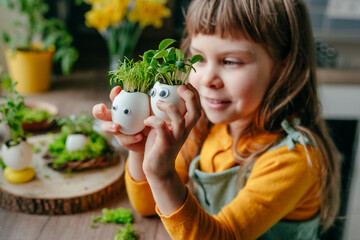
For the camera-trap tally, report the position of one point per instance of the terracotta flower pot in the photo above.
(130, 110)
(167, 93)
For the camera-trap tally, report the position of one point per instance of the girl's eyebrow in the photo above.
(247, 53)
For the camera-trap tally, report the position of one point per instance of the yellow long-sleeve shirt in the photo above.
(282, 185)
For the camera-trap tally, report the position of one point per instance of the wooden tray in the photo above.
(56, 193)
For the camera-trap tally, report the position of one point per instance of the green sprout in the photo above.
(133, 76)
(11, 110)
(171, 65)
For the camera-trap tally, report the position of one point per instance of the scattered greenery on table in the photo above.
(118, 215)
(38, 33)
(125, 233)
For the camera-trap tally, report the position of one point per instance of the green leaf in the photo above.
(196, 58)
(179, 54)
(6, 37)
(148, 55)
(160, 54)
(179, 64)
(166, 43)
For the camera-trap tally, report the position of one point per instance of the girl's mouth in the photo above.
(216, 104)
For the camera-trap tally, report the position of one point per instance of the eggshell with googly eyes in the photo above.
(129, 110)
(167, 93)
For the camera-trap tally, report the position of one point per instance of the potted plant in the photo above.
(38, 41)
(131, 106)
(16, 152)
(172, 70)
(78, 147)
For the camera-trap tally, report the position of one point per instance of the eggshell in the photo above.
(129, 110)
(17, 157)
(76, 142)
(171, 96)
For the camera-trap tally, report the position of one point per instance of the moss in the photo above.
(97, 146)
(34, 114)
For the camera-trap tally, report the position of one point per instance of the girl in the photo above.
(260, 160)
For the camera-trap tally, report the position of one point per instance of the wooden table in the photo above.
(75, 94)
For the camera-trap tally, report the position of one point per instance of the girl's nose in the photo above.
(211, 78)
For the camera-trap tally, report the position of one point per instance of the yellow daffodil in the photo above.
(122, 21)
(148, 12)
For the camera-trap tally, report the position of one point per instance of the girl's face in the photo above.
(232, 78)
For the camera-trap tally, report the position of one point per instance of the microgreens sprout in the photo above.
(171, 65)
(133, 76)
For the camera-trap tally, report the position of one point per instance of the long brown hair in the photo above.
(283, 29)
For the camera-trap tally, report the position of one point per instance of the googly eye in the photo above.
(114, 107)
(152, 92)
(126, 111)
(164, 93)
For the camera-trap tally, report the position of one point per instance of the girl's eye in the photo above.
(152, 92)
(114, 107)
(232, 62)
(126, 111)
(164, 93)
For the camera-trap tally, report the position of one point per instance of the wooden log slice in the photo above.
(57, 193)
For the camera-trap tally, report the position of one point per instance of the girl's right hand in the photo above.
(134, 142)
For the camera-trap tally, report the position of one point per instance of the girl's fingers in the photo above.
(110, 127)
(101, 112)
(160, 126)
(192, 102)
(176, 119)
(125, 140)
(114, 92)
(128, 140)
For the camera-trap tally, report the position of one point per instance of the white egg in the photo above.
(129, 110)
(167, 93)
(17, 157)
(76, 142)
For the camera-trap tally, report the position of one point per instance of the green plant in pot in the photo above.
(38, 41)
(172, 70)
(78, 147)
(16, 152)
(131, 106)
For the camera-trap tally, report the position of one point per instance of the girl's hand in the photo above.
(165, 140)
(134, 142)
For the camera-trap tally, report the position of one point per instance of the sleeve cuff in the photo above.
(184, 214)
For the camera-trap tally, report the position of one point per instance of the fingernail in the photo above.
(182, 88)
(98, 109)
(113, 127)
(138, 137)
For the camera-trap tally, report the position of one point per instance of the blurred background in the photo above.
(336, 26)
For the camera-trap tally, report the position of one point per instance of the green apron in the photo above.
(216, 190)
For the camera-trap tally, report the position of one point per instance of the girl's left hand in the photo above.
(165, 140)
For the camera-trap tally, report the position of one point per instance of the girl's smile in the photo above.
(232, 79)
(216, 104)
